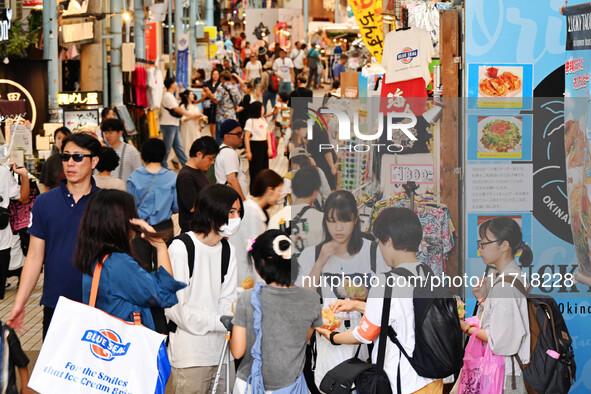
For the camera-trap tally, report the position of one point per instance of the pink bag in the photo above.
(273, 147)
(483, 371)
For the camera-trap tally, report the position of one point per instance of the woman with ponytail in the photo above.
(274, 321)
(505, 320)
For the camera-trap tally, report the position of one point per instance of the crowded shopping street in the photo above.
(295, 196)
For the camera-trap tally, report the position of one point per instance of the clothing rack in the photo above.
(410, 189)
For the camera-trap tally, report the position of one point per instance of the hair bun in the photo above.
(282, 246)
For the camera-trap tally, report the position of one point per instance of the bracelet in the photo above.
(331, 336)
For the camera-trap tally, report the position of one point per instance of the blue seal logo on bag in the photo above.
(407, 55)
(105, 344)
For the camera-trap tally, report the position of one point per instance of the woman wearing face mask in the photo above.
(265, 191)
(505, 324)
(195, 344)
(346, 253)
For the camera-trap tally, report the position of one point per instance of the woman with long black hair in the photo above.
(109, 223)
(345, 253)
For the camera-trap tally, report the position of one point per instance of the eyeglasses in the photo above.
(240, 134)
(77, 157)
(481, 244)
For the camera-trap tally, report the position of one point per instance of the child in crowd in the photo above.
(399, 232)
(289, 314)
(505, 321)
(257, 140)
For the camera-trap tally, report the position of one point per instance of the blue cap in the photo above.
(227, 126)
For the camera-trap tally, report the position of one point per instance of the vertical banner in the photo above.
(576, 140)
(368, 14)
(182, 63)
(515, 148)
(151, 41)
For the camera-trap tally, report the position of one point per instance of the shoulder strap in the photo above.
(147, 190)
(225, 257)
(121, 161)
(373, 252)
(96, 277)
(513, 281)
(190, 246)
(299, 216)
(385, 325)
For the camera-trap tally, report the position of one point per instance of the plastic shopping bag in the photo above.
(87, 350)
(483, 371)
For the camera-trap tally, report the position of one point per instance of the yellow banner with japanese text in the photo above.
(368, 14)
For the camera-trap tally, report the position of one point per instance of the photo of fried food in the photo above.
(494, 84)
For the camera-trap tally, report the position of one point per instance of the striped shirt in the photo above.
(129, 161)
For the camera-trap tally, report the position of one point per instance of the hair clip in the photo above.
(251, 242)
(286, 254)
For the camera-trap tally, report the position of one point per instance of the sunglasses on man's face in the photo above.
(239, 134)
(77, 157)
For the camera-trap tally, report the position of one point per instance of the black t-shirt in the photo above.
(243, 115)
(189, 183)
(320, 139)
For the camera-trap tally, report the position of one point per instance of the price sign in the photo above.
(418, 173)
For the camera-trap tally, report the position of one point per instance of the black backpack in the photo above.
(368, 378)
(190, 246)
(210, 173)
(548, 331)
(439, 340)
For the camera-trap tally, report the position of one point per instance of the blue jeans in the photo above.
(269, 96)
(218, 138)
(284, 87)
(172, 139)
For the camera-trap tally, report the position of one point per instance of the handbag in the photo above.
(367, 378)
(172, 113)
(4, 217)
(86, 348)
(483, 371)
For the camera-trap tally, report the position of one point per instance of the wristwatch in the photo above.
(332, 334)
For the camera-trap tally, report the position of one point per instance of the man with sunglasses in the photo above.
(55, 220)
(228, 167)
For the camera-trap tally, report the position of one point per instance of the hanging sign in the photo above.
(368, 14)
(33, 4)
(65, 99)
(182, 64)
(577, 112)
(5, 17)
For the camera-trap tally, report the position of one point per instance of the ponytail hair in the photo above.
(503, 228)
(271, 255)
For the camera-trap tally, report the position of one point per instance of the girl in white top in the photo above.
(505, 319)
(253, 68)
(265, 192)
(344, 252)
(190, 125)
(257, 140)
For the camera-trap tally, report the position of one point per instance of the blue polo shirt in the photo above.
(55, 218)
(338, 69)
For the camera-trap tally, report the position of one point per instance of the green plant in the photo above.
(18, 40)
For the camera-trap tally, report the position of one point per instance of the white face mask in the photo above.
(230, 228)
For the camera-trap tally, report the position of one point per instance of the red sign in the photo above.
(151, 35)
(33, 3)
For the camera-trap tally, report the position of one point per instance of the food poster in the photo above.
(577, 128)
(502, 86)
(506, 137)
(527, 35)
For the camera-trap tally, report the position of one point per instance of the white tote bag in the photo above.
(87, 350)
